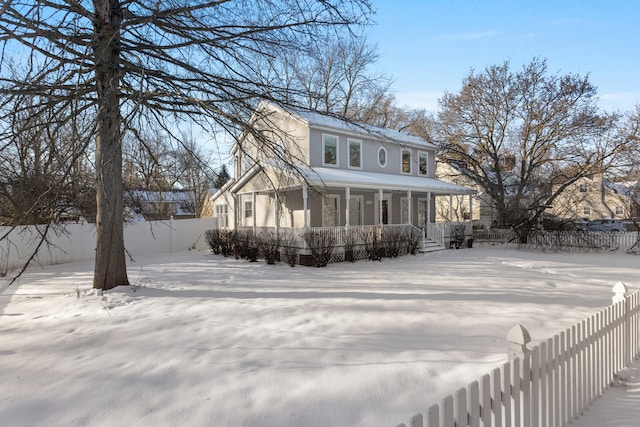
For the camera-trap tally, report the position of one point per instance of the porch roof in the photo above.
(330, 177)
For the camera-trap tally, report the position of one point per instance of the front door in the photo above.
(386, 209)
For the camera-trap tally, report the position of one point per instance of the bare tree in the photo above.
(516, 133)
(193, 171)
(147, 159)
(45, 174)
(334, 77)
(139, 62)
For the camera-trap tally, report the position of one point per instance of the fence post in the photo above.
(171, 230)
(621, 294)
(518, 338)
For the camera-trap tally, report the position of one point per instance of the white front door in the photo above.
(386, 209)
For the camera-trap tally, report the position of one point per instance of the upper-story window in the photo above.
(247, 163)
(584, 188)
(355, 154)
(278, 152)
(382, 157)
(423, 158)
(406, 161)
(329, 150)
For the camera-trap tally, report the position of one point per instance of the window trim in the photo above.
(405, 201)
(245, 210)
(336, 197)
(223, 217)
(362, 204)
(426, 163)
(247, 162)
(386, 157)
(426, 211)
(402, 153)
(357, 142)
(325, 136)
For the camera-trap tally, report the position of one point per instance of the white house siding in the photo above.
(306, 144)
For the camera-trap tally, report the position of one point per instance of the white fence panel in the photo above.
(76, 242)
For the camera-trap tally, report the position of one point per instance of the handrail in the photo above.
(435, 233)
(421, 231)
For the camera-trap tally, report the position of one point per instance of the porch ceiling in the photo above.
(330, 177)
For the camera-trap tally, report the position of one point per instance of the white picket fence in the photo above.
(551, 384)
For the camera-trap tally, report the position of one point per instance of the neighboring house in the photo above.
(160, 205)
(207, 206)
(345, 175)
(458, 208)
(594, 197)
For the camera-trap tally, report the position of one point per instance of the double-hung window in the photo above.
(330, 210)
(423, 158)
(222, 215)
(423, 205)
(405, 206)
(329, 150)
(355, 153)
(406, 161)
(355, 210)
(248, 208)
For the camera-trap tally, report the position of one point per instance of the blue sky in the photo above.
(429, 46)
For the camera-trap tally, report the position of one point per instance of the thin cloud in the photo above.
(620, 101)
(427, 100)
(469, 36)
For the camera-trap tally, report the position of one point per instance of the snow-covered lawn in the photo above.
(202, 340)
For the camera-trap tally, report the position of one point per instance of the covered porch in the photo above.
(338, 198)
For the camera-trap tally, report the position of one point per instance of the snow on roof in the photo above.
(624, 188)
(317, 119)
(373, 180)
(184, 201)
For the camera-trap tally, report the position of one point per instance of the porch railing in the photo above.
(296, 235)
(436, 232)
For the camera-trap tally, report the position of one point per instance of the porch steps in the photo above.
(429, 245)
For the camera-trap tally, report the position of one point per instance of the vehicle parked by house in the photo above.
(606, 224)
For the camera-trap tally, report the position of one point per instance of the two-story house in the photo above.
(594, 197)
(345, 174)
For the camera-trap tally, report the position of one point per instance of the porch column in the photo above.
(471, 210)
(236, 215)
(450, 207)
(277, 211)
(380, 206)
(429, 207)
(254, 211)
(347, 196)
(409, 207)
(305, 197)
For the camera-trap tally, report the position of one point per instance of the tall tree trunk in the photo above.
(110, 264)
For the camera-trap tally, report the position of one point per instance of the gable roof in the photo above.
(315, 119)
